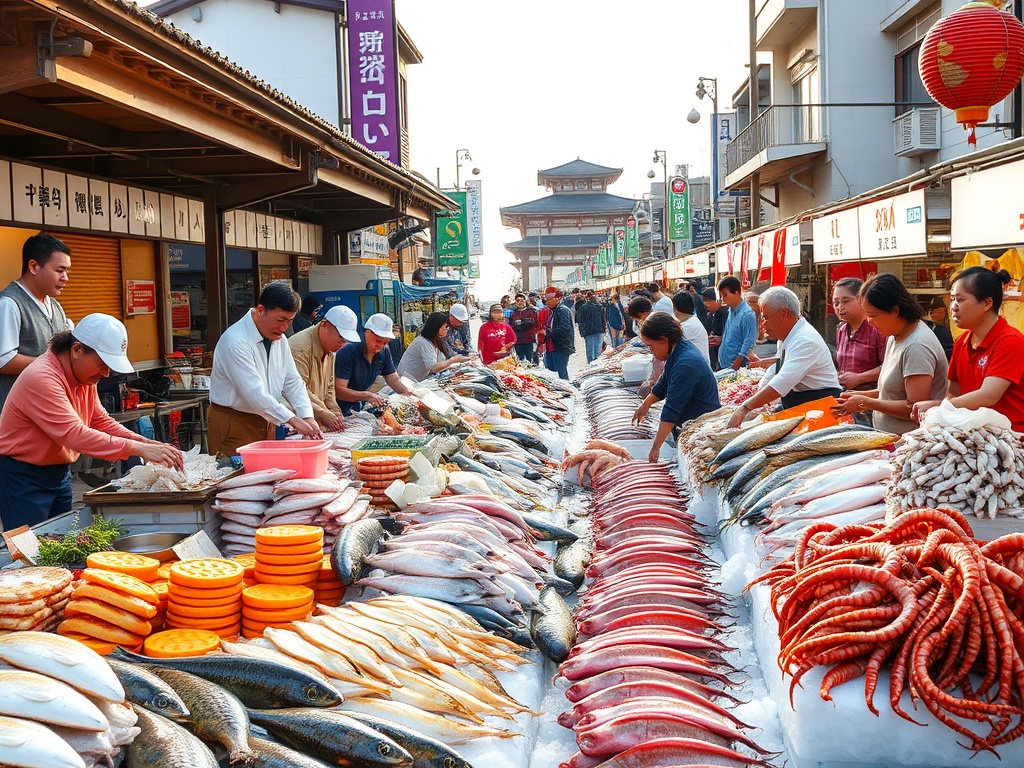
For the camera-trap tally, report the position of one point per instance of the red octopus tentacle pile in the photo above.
(919, 596)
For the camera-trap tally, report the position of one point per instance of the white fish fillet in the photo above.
(827, 506)
(63, 659)
(38, 697)
(837, 480)
(32, 745)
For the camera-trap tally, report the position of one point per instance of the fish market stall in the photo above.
(311, 602)
(896, 627)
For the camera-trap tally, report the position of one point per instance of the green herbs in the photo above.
(76, 543)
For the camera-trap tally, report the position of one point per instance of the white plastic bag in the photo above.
(948, 415)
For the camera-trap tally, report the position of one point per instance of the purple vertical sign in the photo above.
(373, 77)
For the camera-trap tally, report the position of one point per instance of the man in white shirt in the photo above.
(693, 329)
(254, 373)
(804, 370)
(29, 311)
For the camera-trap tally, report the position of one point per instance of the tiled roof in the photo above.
(558, 243)
(582, 203)
(578, 169)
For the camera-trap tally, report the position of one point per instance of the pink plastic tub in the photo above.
(307, 457)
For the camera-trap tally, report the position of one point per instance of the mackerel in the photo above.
(354, 544)
(216, 716)
(333, 737)
(162, 743)
(147, 690)
(300, 501)
(756, 437)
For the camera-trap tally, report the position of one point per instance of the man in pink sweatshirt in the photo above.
(53, 415)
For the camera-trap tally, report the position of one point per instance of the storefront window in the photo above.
(188, 291)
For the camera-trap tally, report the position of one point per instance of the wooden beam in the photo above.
(113, 85)
(20, 68)
(241, 195)
(30, 115)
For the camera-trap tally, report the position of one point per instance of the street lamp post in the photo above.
(708, 86)
(463, 154)
(659, 157)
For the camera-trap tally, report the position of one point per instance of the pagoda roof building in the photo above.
(565, 228)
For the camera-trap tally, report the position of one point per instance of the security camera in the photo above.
(650, 174)
(693, 117)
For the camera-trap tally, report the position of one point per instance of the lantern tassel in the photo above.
(972, 140)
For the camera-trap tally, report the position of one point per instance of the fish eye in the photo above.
(312, 692)
(160, 701)
(383, 750)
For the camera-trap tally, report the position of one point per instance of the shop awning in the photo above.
(431, 288)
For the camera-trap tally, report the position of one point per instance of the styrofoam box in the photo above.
(637, 369)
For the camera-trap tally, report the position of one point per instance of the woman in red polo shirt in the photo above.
(987, 367)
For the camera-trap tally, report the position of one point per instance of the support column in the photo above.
(524, 272)
(216, 268)
(755, 200)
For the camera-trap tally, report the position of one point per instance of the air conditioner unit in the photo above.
(917, 131)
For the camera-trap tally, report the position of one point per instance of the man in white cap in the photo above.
(53, 415)
(254, 374)
(313, 350)
(357, 366)
(459, 340)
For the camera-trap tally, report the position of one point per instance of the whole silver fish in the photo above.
(333, 737)
(163, 743)
(449, 590)
(262, 477)
(309, 485)
(270, 754)
(216, 715)
(354, 544)
(249, 508)
(813, 444)
(571, 561)
(264, 492)
(144, 688)
(297, 502)
(553, 629)
(425, 563)
(426, 752)
(756, 437)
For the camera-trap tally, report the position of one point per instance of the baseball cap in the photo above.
(381, 325)
(552, 293)
(344, 319)
(108, 336)
(459, 312)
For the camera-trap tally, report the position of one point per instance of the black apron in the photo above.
(793, 399)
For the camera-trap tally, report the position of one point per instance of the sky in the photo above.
(535, 84)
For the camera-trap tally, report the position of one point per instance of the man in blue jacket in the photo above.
(558, 333)
(740, 334)
(590, 319)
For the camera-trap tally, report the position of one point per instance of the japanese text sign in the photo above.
(373, 77)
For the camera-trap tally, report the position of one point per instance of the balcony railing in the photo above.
(777, 126)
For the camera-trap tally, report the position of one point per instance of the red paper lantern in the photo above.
(971, 60)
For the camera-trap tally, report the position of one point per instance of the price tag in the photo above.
(22, 544)
(197, 546)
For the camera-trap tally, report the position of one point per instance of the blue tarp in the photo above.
(430, 288)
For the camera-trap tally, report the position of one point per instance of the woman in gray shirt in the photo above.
(914, 367)
(425, 355)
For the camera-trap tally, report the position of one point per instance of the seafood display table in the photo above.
(842, 733)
